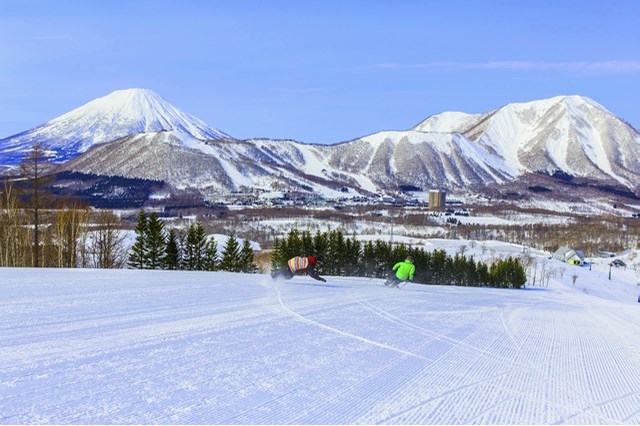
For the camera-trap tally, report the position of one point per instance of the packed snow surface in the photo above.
(128, 346)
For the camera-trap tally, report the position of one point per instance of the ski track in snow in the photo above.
(82, 346)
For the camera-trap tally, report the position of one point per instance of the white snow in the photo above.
(558, 128)
(445, 144)
(157, 347)
(448, 122)
(142, 109)
(118, 114)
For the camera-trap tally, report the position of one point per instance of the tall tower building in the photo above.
(436, 199)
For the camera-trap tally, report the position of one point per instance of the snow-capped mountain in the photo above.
(218, 165)
(572, 134)
(418, 159)
(119, 114)
(136, 134)
(381, 161)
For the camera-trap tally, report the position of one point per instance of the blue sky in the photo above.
(316, 71)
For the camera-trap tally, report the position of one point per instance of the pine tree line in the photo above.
(155, 248)
(342, 256)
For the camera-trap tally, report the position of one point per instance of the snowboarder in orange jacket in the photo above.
(299, 265)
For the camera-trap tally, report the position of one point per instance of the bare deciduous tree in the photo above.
(34, 171)
(15, 235)
(71, 225)
(106, 246)
(551, 273)
(529, 262)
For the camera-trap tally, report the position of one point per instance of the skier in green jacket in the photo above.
(403, 272)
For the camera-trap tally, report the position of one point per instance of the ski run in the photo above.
(164, 347)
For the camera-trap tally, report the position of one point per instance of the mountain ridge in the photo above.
(569, 134)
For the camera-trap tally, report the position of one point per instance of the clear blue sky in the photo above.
(316, 71)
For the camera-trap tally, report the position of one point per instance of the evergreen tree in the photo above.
(172, 258)
(507, 273)
(307, 245)
(320, 245)
(336, 259)
(422, 260)
(515, 273)
(277, 255)
(156, 242)
(246, 258)
(368, 260)
(483, 274)
(138, 253)
(382, 259)
(470, 276)
(211, 255)
(497, 274)
(458, 270)
(294, 245)
(376, 258)
(231, 256)
(353, 257)
(438, 265)
(195, 250)
(189, 255)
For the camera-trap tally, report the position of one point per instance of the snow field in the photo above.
(126, 346)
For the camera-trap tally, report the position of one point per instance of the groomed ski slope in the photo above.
(123, 346)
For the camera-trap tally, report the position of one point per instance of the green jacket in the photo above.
(405, 270)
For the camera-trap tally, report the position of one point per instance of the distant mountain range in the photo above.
(137, 134)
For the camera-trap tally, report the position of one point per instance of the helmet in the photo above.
(312, 259)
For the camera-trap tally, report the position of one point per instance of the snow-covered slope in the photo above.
(176, 347)
(453, 150)
(383, 160)
(419, 159)
(118, 134)
(217, 165)
(572, 134)
(449, 122)
(120, 113)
